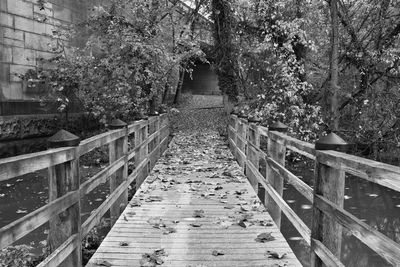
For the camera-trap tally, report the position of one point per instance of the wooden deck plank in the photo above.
(187, 178)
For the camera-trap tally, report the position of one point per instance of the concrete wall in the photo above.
(25, 37)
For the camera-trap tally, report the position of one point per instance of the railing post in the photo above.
(140, 136)
(158, 137)
(252, 154)
(146, 169)
(241, 145)
(235, 138)
(64, 178)
(330, 184)
(276, 151)
(163, 117)
(117, 149)
(156, 143)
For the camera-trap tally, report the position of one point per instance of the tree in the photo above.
(126, 62)
(226, 53)
(332, 92)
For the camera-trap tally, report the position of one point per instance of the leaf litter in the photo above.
(265, 237)
(173, 166)
(153, 259)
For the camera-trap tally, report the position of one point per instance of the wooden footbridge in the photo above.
(195, 205)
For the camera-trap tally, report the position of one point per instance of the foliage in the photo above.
(16, 256)
(284, 56)
(124, 60)
(93, 239)
(272, 68)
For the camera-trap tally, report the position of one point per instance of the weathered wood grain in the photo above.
(329, 183)
(101, 177)
(276, 151)
(301, 227)
(20, 165)
(23, 226)
(300, 186)
(325, 254)
(298, 146)
(61, 253)
(96, 216)
(189, 245)
(373, 171)
(90, 144)
(378, 242)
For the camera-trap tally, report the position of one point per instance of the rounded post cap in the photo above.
(63, 139)
(116, 124)
(332, 141)
(279, 127)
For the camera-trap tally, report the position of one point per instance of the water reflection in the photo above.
(27, 193)
(375, 205)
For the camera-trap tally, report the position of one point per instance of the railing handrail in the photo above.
(245, 145)
(153, 131)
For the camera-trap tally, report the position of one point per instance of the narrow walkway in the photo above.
(195, 209)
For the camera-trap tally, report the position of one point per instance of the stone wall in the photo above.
(25, 38)
(26, 32)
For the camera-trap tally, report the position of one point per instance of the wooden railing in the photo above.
(327, 198)
(63, 210)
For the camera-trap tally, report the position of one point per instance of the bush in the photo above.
(17, 256)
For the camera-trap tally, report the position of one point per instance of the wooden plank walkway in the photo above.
(195, 209)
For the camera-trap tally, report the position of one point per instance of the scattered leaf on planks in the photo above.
(265, 237)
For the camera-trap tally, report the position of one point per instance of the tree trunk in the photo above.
(334, 69)
(179, 87)
(165, 95)
(226, 52)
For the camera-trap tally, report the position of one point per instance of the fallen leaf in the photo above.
(198, 214)
(153, 259)
(123, 244)
(169, 230)
(135, 203)
(243, 223)
(265, 237)
(217, 253)
(244, 208)
(154, 199)
(276, 255)
(103, 263)
(265, 223)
